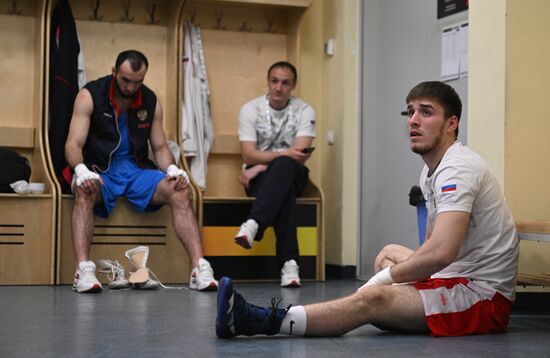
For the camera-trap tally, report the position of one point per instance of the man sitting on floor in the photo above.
(460, 281)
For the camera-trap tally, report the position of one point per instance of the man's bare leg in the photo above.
(183, 218)
(85, 198)
(397, 307)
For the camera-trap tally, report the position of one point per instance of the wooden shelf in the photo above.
(26, 196)
(542, 279)
(16, 137)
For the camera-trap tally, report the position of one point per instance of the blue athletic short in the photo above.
(125, 178)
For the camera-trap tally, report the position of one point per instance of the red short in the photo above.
(458, 306)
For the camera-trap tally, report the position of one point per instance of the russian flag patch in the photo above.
(448, 188)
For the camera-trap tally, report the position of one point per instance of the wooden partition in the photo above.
(241, 39)
(27, 222)
(105, 31)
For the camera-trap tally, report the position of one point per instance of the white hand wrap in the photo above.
(383, 277)
(173, 171)
(82, 174)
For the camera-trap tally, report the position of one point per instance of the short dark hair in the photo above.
(284, 64)
(136, 58)
(442, 93)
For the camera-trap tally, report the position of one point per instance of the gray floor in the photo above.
(53, 321)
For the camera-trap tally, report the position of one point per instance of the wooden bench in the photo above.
(534, 231)
(123, 230)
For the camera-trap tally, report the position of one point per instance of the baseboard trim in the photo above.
(531, 303)
(337, 271)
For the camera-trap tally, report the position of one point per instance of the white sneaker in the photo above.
(85, 280)
(289, 274)
(202, 277)
(246, 234)
(115, 273)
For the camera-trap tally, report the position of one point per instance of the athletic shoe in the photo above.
(246, 234)
(202, 277)
(289, 274)
(115, 273)
(85, 280)
(236, 317)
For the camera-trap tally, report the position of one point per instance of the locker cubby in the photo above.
(27, 221)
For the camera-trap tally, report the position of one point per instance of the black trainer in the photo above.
(237, 317)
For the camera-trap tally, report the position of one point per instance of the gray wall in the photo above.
(401, 47)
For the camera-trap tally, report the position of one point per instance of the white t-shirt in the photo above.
(489, 254)
(274, 130)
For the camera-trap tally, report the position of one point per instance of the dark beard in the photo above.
(430, 147)
(122, 94)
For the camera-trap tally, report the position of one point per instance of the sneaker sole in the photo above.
(243, 241)
(119, 286)
(210, 287)
(292, 284)
(96, 288)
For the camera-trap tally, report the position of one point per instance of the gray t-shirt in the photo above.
(274, 130)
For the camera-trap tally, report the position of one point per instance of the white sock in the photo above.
(295, 322)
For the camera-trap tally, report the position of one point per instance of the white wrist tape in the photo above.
(383, 277)
(82, 174)
(173, 171)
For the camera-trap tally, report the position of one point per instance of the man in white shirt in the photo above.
(276, 131)
(460, 281)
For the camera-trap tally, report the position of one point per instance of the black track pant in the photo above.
(276, 191)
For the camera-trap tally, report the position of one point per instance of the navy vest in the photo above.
(103, 137)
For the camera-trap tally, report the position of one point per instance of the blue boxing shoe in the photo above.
(237, 317)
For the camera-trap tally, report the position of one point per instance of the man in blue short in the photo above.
(115, 120)
(460, 281)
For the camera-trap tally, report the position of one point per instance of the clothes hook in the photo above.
(270, 28)
(13, 10)
(245, 27)
(219, 17)
(152, 15)
(193, 17)
(126, 17)
(95, 13)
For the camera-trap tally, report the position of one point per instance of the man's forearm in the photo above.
(260, 157)
(164, 158)
(73, 156)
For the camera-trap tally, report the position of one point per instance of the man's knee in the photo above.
(89, 199)
(283, 162)
(175, 197)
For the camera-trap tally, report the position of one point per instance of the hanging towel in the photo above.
(197, 129)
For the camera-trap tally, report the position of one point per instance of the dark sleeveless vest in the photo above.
(104, 137)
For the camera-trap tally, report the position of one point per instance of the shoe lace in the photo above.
(117, 272)
(290, 269)
(255, 319)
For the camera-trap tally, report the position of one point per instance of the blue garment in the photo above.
(125, 178)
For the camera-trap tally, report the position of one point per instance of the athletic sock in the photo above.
(295, 322)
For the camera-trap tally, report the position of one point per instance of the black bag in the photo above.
(13, 167)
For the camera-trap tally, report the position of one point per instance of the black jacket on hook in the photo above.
(63, 83)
